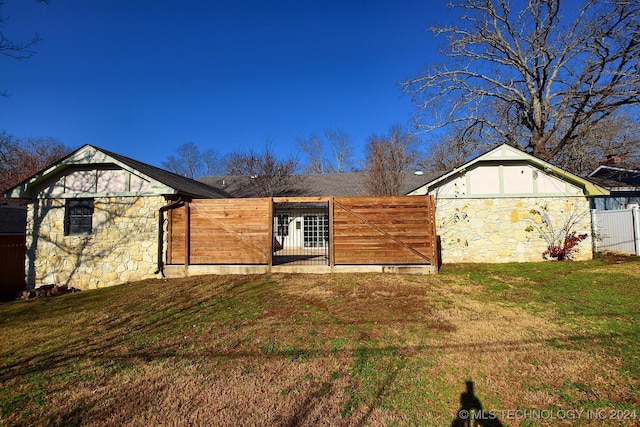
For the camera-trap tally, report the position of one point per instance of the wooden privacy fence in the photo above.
(12, 264)
(386, 231)
(220, 231)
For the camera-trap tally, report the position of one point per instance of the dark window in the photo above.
(78, 216)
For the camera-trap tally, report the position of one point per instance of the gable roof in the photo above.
(314, 185)
(165, 182)
(617, 176)
(506, 153)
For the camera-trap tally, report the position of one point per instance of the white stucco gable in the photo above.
(88, 172)
(98, 182)
(93, 172)
(506, 171)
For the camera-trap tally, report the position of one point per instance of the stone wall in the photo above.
(121, 248)
(508, 229)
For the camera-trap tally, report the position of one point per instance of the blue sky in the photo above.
(141, 77)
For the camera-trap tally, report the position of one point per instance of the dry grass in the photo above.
(335, 350)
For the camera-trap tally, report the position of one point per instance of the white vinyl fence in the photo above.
(617, 231)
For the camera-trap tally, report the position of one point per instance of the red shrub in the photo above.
(568, 247)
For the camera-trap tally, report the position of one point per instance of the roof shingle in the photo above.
(183, 185)
(314, 185)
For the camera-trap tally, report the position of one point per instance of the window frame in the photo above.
(78, 216)
(282, 225)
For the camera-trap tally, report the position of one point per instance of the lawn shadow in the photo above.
(471, 412)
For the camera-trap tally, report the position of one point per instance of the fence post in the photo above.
(332, 246)
(187, 237)
(435, 242)
(271, 235)
(636, 228)
(594, 231)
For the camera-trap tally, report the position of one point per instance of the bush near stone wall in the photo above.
(496, 229)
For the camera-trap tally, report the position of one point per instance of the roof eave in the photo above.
(590, 189)
(613, 168)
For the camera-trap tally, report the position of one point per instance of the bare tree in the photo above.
(341, 151)
(332, 155)
(617, 135)
(449, 152)
(20, 159)
(528, 77)
(212, 163)
(189, 161)
(268, 175)
(17, 50)
(388, 157)
(313, 150)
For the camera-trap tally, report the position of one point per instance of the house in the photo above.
(622, 179)
(509, 206)
(96, 218)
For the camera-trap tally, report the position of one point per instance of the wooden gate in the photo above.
(363, 231)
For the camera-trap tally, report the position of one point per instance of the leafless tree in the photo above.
(19, 159)
(12, 49)
(388, 157)
(268, 175)
(334, 154)
(313, 151)
(189, 161)
(533, 74)
(617, 135)
(449, 152)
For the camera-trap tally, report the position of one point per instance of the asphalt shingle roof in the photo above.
(314, 185)
(183, 185)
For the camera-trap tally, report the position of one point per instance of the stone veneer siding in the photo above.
(121, 248)
(495, 229)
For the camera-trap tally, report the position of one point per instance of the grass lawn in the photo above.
(541, 343)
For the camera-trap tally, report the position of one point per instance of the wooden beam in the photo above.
(332, 246)
(300, 199)
(435, 246)
(169, 236)
(187, 235)
(270, 228)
